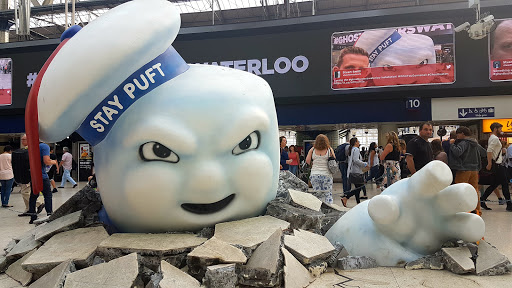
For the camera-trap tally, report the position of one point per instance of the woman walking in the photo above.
(321, 177)
(6, 175)
(391, 158)
(294, 156)
(355, 171)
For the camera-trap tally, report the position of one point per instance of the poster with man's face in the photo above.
(403, 56)
(500, 51)
(5, 81)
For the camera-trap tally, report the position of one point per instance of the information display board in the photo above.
(402, 56)
(5, 81)
(500, 51)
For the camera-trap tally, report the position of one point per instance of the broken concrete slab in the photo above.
(4, 263)
(9, 246)
(262, 267)
(458, 260)
(339, 252)
(299, 218)
(220, 250)
(150, 244)
(335, 207)
(356, 262)
(67, 222)
(25, 235)
(174, 277)
(308, 247)
(249, 232)
(78, 202)
(77, 245)
(16, 272)
(289, 181)
(23, 247)
(305, 200)
(41, 220)
(120, 272)
(329, 220)
(490, 261)
(55, 278)
(220, 276)
(295, 275)
(433, 262)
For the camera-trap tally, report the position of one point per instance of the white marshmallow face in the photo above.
(198, 150)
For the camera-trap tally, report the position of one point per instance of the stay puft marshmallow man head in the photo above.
(177, 146)
(391, 50)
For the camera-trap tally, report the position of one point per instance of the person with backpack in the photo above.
(21, 169)
(341, 156)
(6, 175)
(67, 163)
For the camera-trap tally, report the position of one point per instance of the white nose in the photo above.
(208, 176)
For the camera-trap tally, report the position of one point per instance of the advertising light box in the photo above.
(5, 81)
(500, 51)
(403, 56)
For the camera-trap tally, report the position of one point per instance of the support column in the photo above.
(4, 24)
(383, 130)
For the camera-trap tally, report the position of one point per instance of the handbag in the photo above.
(488, 173)
(356, 178)
(331, 163)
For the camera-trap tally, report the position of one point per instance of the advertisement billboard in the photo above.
(5, 81)
(402, 56)
(500, 51)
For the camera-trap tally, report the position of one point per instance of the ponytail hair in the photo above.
(352, 143)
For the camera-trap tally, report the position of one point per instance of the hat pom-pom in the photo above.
(70, 32)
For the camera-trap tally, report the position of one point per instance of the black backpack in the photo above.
(340, 152)
(21, 166)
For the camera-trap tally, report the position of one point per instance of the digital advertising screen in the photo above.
(402, 56)
(5, 81)
(500, 51)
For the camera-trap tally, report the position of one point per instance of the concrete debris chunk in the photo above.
(295, 275)
(55, 278)
(490, 261)
(67, 222)
(289, 181)
(150, 244)
(9, 246)
(262, 267)
(299, 218)
(220, 250)
(339, 252)
(78, 202)
(305, 200)
(16, 272)
(220, 276)
(356, 262)
(174, 277)
(317, 268)
(4, 263)
(458, 260)
(333, 206)
(41, 220)
(23, 247)
(308, 247)
(77, 245)
(120, 272)
(433, 262)
(25, 235)
(249, 232)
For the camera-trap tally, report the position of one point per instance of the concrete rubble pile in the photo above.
(284, 248)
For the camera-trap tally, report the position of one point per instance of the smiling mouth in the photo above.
(208, 208)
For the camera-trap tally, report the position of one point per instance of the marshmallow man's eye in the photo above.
(154, 151)
(251, 142)
(424, 62)
(388, 68)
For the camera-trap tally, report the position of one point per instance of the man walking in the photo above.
(44, 150)
(419, 151)
(342, 156)
(499, 176)
(67, 163)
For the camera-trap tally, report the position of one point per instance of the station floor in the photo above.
(498, 233)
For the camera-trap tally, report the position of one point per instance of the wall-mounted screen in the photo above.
(5, 81)
(500, 51)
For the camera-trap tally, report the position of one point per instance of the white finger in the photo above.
(465, 226)
(457, 198)
(429, 180)
(383, 209)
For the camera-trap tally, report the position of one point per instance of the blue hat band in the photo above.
(100, 121)
(383, 46)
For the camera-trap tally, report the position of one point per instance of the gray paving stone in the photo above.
(308, 247)
(23, 247)
(458, 260)
(490, 261)
(55, 278)
(120, 272)
(249, 232)
(433, 262)
(295, 275)
(305, 200)
(356, 262)
(16, 272)
(174, 277)
(220, 276)
(77, 245)
(44, 232)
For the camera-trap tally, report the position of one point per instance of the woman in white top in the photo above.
(6, 175)
(355, 171)
(321, 177)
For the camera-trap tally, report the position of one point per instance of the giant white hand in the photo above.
(411, 218)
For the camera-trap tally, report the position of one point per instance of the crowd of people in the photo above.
(473, 163)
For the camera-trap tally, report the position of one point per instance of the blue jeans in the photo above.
(6, 190)
(67, 176)
(47, 193)
(374, 173)
(343, 169)
(294, 169)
